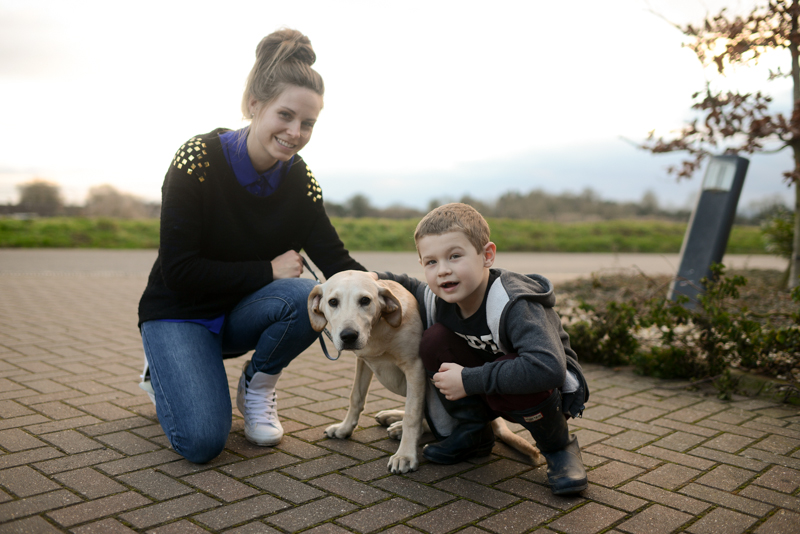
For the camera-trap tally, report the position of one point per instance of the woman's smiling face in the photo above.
(281, 128)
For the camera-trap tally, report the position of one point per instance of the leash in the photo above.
(327, 333)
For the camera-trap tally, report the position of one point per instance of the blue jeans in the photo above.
(193, 401)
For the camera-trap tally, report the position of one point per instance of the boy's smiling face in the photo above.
(454, 270)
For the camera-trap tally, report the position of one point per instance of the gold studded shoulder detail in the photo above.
(314, 190)
(192, 158)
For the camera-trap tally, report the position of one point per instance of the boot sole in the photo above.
(569, 491)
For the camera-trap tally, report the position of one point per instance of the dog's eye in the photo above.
(365, 301)
(333, 303)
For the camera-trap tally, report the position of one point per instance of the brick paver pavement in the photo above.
(81, 450)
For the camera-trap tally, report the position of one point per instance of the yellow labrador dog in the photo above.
(380, 323)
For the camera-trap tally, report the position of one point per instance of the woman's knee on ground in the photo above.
(201, 446)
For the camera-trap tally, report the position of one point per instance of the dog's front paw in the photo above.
(395, 430)
(339, 431)
(399, 464)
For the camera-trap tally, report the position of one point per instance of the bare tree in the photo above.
(40, 197)
(733, 122)
(106, 201)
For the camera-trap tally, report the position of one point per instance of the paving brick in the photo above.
(380, 515)
(30, 525)
(656, 519)
(679, 441)
(76, 461)
(36, 504)
(587, 437)
(29, 456)
(259, 465)
(15, 440)
(352, 449)
(219, 485)
(613, 473)
(413, 491)
(587, 519)
(477, 492)
(669, 476)
(364, 494)
(22, 421)
(780, 478)
(449, 517)
(531, 491)
(307, 515)
(306, 417)
(667, 498)
(104, 526)
(728, 442)
(9, 409)
(518, 518)
(71, 441)
(646, 428)
(636, 459)
(141, 461)
(630, 440)
(777, 444)
(726, 477)
(726, 458)
(675, 457)
(127, 443)
(169, 510)
(782, 522)
(286, 488)
(495, 471)
(732, 429)
(155, 485)
(321, 466)
(685, 427)
(728, 500)
(773, 497)
(771, 458)
(644, 414)
(251, 508)
(106, 506)
(89, 483)
(257, 527)
(24, 481)
(63, 424)
(115, 426)
(180, 527)
(613, 498)
(722, 521)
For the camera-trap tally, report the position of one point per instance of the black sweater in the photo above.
(217, 239)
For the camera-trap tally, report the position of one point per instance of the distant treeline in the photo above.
(538, 205)
(43, 199)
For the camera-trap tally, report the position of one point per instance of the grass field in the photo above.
(511, 235)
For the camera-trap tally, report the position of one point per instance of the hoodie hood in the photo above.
(534, 287)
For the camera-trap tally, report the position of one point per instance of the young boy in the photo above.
(493, 347)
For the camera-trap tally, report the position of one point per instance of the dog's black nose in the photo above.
(349, 335)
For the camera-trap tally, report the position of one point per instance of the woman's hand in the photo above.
(287, 265)
(448, 381)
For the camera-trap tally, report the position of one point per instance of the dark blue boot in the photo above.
(548, 426)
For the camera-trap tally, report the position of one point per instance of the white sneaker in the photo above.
(256, 401)
(145, 383)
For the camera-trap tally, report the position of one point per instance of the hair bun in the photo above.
(286, 45)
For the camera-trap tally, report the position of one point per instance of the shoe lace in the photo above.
(261, 408)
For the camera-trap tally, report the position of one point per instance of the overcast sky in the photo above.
(432, 99)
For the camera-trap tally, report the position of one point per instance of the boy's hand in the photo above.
(448, 381)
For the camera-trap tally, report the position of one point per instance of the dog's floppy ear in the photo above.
(392, 311)
(317, 318)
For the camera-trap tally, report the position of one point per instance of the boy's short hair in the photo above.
(455, 217)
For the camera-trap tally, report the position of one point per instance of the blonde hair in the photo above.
(455, 217)
(283, 58)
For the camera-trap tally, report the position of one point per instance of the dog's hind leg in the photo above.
(358, 397)
(504, 434)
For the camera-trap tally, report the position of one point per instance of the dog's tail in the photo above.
(504, 434)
